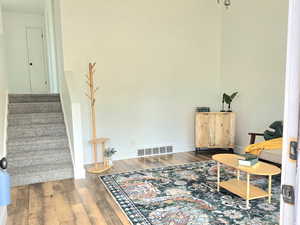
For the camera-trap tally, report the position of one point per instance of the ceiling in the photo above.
(25, 6)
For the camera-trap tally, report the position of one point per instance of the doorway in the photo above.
(29, 56)
(36, 60)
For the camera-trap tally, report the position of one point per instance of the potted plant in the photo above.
(109, 152)
(228, 99)
(223, 101)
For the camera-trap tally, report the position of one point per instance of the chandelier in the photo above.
(226, 3)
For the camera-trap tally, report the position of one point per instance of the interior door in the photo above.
(36, 60)
(289, 213)
(297, 192)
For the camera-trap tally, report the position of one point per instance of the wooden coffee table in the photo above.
(243, 188)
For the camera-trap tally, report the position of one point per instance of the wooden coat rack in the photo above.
(96, 167)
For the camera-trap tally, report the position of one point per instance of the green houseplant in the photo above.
(109, 152)
(228, 99)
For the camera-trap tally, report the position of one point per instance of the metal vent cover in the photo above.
(148, 151)
(155, 151)
(141, 152)
(169, 149)
(162, 150)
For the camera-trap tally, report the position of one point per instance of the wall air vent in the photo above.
(148, 151)
(162, 150)
(141, 152)
(155, 151)
(169, 149)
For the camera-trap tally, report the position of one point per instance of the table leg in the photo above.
(248, 191)
(95, 157)
(270, 188)
(218, 176)
(105, 162)
(238, 174)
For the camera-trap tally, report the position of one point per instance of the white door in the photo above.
(36, 60)
(298, 186)
(289, 213)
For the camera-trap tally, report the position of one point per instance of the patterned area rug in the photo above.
(186, 195)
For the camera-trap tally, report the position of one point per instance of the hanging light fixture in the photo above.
(227, 3)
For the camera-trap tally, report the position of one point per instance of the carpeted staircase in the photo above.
(37, 143)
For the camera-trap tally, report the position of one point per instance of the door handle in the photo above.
(30, 64)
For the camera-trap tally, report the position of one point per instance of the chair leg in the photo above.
(252, 138)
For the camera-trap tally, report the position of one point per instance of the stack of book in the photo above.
(248, 160)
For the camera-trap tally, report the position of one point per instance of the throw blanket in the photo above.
(256, 149)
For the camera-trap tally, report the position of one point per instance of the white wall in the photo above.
(73, 120)
(156, 61)
(15, 28)
(253, 63)
(51, 46)
(3, 105)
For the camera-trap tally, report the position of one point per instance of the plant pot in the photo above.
(110, 162)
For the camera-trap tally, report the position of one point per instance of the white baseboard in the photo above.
(3, 215)
(132, 155)
(177, 149)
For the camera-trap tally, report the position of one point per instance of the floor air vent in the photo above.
(155, 151)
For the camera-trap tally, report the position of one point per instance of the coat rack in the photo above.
(96, 167)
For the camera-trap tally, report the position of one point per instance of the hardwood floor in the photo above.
(81, 202)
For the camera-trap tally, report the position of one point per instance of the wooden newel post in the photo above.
(96, 167)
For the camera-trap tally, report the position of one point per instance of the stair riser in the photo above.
(20, 180)
(37, 146)
(19, 108)
(36, 160)
(14, 133)
(29, 98)
(19, 121)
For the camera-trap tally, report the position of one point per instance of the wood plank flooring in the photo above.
(81, 202)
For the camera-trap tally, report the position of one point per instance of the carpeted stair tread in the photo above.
(37, 142)
(39, 146)
(32, 158)
(41, 173)
(35, 118)
(37, 154)
(22, 98)
(34, 107)
(39, 167)
(45, 141)
(36, 130)
(17, 154)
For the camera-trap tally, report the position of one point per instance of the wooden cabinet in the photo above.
(214, 130)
